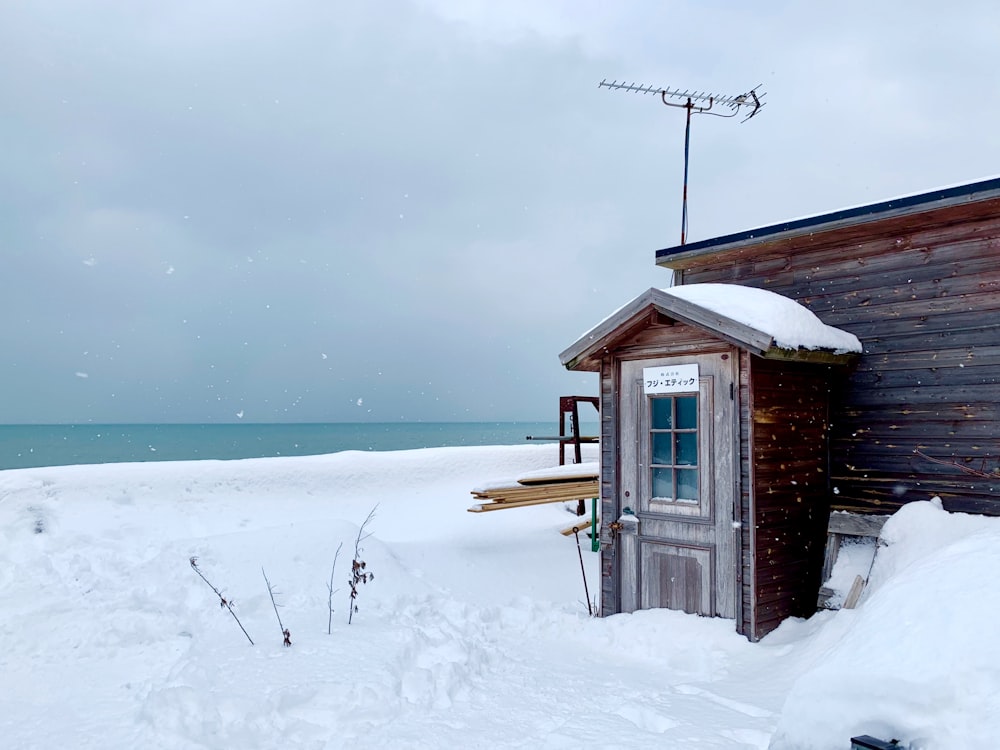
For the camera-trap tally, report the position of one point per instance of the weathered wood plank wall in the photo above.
(745, 624)
(790, 483)
(610, 600)
(922, 292)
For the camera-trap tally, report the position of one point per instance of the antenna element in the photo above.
(751, 101)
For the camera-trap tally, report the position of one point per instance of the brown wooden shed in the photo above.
(698, 408)
(735, 526)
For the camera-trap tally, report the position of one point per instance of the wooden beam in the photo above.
(813, 356)
(484, 507)
(554, 492)
(855, 593)
(856, 524)
(581, 525)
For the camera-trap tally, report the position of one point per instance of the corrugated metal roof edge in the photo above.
(940, 198)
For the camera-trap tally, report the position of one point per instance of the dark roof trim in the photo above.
(941, 198)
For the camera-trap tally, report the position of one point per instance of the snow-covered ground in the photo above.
(474, 632)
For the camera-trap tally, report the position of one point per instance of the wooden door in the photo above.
(678, 460)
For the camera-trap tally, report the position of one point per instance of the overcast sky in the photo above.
(404, 210)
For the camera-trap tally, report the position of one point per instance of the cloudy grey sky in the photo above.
(325, 211)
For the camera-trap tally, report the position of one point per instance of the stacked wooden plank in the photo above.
(557, 485)
(843, 526)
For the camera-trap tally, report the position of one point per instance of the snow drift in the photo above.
(474, 632)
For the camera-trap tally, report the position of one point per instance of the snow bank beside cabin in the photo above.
(791, 325)
(474, 633)
(918, 660)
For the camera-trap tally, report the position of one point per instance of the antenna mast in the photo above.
(697, 103)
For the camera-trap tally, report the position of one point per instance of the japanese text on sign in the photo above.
(670, 379)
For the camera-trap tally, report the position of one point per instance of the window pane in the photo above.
(662, 453)
(687, 485)
(673, 452)
(662, 413)
(663, 484)
(687, 448)
(687, 412)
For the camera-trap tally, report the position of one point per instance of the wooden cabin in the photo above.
(769, 437)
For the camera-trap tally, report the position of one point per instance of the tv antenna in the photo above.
(696, 103)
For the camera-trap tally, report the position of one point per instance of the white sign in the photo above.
(670, 379)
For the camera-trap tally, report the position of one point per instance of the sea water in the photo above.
(26, 446)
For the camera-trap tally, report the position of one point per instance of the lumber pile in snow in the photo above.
(559, 484)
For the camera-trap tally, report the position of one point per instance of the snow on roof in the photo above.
(791, 325)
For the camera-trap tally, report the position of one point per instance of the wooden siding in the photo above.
(610, 600)
(745, 625)
(922, 292)
(788, 434)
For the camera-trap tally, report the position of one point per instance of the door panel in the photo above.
(678, 455)
(676, 577)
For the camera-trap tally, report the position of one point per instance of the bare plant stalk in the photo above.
(359, 575)
(981, 472)
(223, 602)
(583, 570)
(284, 631)
(331, 591)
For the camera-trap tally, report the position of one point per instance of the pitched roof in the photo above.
(758, 320)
